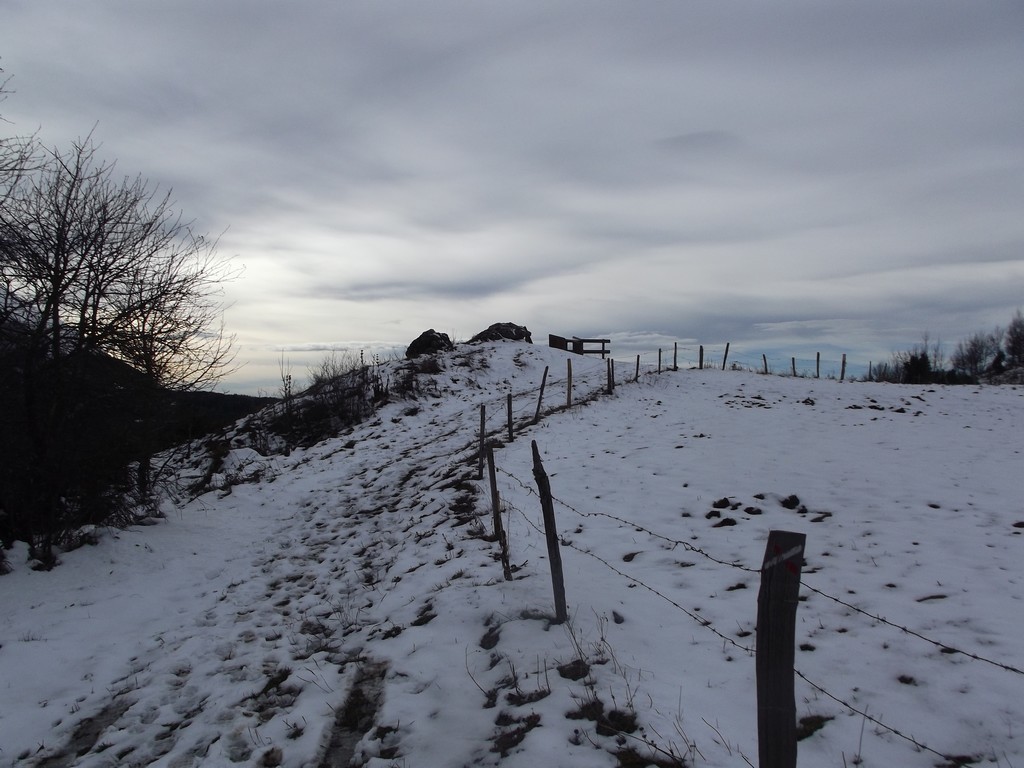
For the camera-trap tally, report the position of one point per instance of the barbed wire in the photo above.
(707, 624)
(864, 713)
(945, 647)
(636, 526)
(701, 620)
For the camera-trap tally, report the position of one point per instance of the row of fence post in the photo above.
(764, 362)
(610, 388)
(725, 362)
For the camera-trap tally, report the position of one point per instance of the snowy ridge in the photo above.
(344, 605)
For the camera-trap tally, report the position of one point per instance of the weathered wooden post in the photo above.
(842, 371)
(568, 384)
(638, 368)
(659, 360)
(817, 365)
(540, 397)
(675, 355)
(511, 436)
(499, 529)
(725, 357)
(700, 359)
(776, 636)
(483, 436)
(793, 360)
(554, 554)
(764, 358)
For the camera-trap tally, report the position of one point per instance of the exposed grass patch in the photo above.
(517, 728)
(576, 669)
(810, 724)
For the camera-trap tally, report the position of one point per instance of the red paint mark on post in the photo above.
(797, 550)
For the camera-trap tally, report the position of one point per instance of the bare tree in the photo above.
(103, 281)
(17, 158)
(16, 153)
(974, 355)
(1014, 342)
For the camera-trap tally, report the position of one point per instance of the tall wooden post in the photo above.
(675, 355)
(725, 357)
(511, 436)
(483, 435)
(842, 371)
(793, 361)
(817, 365)
(499, 529)
(659, 360)
(568, 383)
(554, 554)
(700, 359)
(540, 397)
(776, 638)
(638, 367)
(764, 358)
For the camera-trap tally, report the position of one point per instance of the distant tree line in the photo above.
(983, 356)
(110, 307)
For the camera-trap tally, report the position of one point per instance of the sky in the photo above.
(790, 178)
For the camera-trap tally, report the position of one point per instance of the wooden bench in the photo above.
(577, 345)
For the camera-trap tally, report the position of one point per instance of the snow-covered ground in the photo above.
(347, 602)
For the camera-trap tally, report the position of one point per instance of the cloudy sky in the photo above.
(790, 177)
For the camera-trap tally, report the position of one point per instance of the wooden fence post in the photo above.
(659, 360)
(842, 371)
(499, 529)
(540, 397)
(700, 363)
(725, 357)
(817, 365)
(764, 358)
(638, 368)
(511, 436)
(675, 355)
(776, 636)
(483, 435)
(793, 361)
(568, 383)
(554, 554)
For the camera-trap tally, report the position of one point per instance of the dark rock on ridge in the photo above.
(429, 343)
(503, 331)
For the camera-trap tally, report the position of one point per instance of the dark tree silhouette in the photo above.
(109, 301)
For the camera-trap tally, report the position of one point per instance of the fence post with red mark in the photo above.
(776, 638)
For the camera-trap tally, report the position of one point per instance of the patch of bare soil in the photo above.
(356, 718)
(85, 736)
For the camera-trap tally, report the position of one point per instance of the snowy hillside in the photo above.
(345, 604)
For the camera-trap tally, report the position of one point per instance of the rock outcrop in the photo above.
(503, 331)
(429, 343)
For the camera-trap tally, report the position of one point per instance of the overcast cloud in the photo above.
(789, 177)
